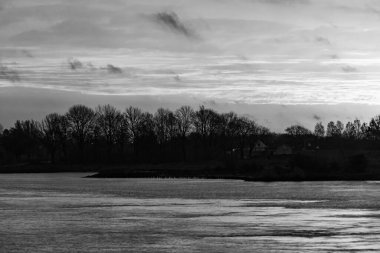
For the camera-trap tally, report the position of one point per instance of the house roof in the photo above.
(259, 143)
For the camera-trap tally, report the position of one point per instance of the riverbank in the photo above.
(120, 173)
(300, 167)
(248, 172)
(45, 167)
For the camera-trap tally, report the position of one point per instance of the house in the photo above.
(283, 150)
(259, 146)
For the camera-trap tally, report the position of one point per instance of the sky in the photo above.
(279, 62)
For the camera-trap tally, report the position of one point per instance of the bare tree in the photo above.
(64, 134)
(364, 130)
(184, 116)
(206, 122)
(228, 124)
(297, 130)
(334, 129)
(165, 125)
(133, 118)
(374, 127)
(339, 128)
(51, 127)
(319, 130)
(349, 131)
(25, 137)
(244, 127)
(81, 124)
(184, 121)
(160, 125)
(110, 121)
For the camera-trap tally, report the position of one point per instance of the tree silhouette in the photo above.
(297, 130)
(164, 125)
(24, 138)
(339, 128)
(244, 128)
(353, 130)
(110, 122)
(146, 138)
(202, 119)
(319, 130)
(83, 135)
(374, 127)
(81, 124)
(184, 116)
(52, 130)
(133, 118)
(334, 130)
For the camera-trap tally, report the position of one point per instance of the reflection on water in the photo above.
(68, 213)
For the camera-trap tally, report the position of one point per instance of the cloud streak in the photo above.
(9, 74)
(113, 69)
(172, 21)
(75, 64)
(349, 69)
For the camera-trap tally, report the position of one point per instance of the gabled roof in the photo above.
(259, 143)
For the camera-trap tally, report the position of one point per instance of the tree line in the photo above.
(350, 130)
(108, 135)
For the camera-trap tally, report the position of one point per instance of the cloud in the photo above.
(285, 58)
(172, 21)
(285, 2)
(177, 78)
(9, 74)
(316, 117)
(349, 69)
(323, 40)
(113, 69)
(75, 64)
(27, 53)
(373, 10)
(3, 4)
(210, 102)
(69, 33)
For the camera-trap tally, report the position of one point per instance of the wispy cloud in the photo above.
(349, 69)
(113, 69)
(9, 74)
(316, 117)
(75, 64)
(172, 21)
(322, 40)
(285, 2)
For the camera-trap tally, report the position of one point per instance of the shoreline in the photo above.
(244, 178)
(207, 170)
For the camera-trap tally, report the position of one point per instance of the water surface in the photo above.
(69, 213)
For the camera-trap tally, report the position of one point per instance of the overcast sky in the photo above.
(279, 61)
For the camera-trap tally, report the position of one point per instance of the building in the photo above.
(259, 146)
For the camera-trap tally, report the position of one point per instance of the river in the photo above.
(65, 212)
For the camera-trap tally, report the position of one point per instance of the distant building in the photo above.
(259, 146)
(283, 150)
